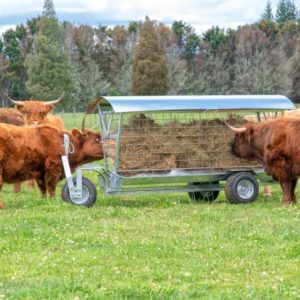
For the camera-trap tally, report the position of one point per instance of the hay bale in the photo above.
(147, 146)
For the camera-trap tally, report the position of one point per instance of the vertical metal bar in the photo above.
(74, 116)
(118, 143)
(258, 116)
(79, 179)
(101, 121)
(109, 123)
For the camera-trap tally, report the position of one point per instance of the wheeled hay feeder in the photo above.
(166, 144)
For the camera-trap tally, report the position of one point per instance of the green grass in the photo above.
(159, 246)
(72, 120)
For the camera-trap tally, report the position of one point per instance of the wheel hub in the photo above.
(245, 189)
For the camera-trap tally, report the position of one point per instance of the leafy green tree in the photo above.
(179, 28)
(48, 69)
(286, 11)
(188, 41)
(150, 73)
(16, 45)
(192, 46)
(215, 37)
(133, 27)
(267, 14)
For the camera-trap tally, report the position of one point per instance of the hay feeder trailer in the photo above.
(166, 144)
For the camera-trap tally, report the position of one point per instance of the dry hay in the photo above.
(145, 145)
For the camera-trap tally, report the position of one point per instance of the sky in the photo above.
(200, 14)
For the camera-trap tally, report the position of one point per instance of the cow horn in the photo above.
(234, 129)
(15, 102)
(83, 123)
(54, 101)
(90, 108)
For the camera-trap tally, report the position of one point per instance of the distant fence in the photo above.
(73, 118)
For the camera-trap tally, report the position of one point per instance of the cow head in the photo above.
(87, 145)
(34, 111)
(242, 145)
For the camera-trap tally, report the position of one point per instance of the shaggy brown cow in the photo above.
(35, 153)
(276, 143)
(35, 111)
(292, 114)
(11, 116)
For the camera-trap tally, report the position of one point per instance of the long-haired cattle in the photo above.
(276, 143)
(35, 111)
(34, 152)
(31, 112)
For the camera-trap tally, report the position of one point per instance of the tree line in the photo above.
(44, 57)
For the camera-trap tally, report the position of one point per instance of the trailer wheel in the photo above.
(89, 193)
(241, 188)
(207, 196)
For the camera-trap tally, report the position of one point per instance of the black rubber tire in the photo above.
(208, 196)
(240, 183)
(89, 193)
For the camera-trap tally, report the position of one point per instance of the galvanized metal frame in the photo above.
(182, 180)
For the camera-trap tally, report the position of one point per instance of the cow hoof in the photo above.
(267, 195)
(1, 205)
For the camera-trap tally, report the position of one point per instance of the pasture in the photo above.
(148, 247)
(159, 246)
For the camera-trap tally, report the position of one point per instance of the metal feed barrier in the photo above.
(174, 144)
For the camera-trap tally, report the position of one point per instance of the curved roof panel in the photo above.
(126, 104)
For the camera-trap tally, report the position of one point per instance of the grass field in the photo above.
(148, 247)
(159, 246)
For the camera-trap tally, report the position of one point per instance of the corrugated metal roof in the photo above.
(126, 104)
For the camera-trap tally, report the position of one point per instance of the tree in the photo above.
(149, 73)
(87, 74)
(178, 73)
(215, 37)
(267, 14)
(48, 68)
(17, 44)
(48, 9)
(213, 77)
(260, 69)
(188, 41)
(286, 11)
(179, 28)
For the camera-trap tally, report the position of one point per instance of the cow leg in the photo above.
(267, 191)
(42, 186)
(288, 190)
(52, 176)
(292, 189)
(1, 184)
(282, 172)
(17, 187)
(30, 183)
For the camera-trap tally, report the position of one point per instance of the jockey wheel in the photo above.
(89, 193)
(241, 188)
